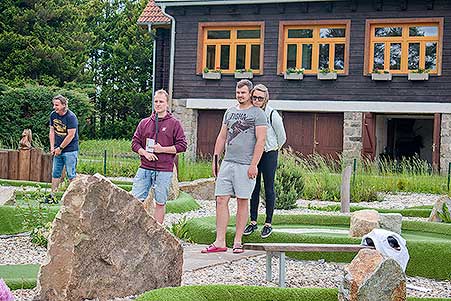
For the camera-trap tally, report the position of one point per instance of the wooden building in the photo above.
(375, 51)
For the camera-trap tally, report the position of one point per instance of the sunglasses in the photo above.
(258, 98)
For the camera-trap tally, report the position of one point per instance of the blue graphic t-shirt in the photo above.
(61, 124)
(241, 137)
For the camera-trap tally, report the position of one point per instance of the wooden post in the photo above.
(24, 164)
(13, 165)
(46, 168)
(3, 164)
(345, 193)
(35, 165)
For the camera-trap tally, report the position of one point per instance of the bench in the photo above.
(279, 249)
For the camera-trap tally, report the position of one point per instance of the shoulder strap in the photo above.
(270, 117)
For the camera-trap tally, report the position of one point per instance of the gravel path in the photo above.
(251, 271)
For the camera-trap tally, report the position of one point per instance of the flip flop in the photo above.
(213, 249)
(238, 249)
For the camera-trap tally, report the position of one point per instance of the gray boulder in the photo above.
(104, 245)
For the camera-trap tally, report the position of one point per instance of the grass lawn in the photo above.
(429, 244)
(21, 276)
(246, 293)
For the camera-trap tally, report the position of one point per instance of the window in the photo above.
(402, 45)
(231, 46)
(314, 45)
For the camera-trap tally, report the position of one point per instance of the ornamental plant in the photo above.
(243, 70)
(216, 70)
(420, 70)
(5, 292)
(445, 215)
(327, 70)
(380, 71)
(295, 70)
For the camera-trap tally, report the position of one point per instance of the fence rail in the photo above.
(27, 165)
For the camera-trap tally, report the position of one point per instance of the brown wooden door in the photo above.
(436, 142)
(369, 135)
(208, 126)
(310, 133)
(299, 128)
(329, 134)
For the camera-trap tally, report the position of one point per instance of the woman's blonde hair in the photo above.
(261, 88)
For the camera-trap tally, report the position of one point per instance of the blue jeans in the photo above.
(68, 159)
(146, 179)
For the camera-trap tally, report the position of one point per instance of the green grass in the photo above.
(21, 276)
(421, 211)
(246, 293)
(12, 220)
(202, 230)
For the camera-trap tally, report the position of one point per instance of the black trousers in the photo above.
(266, 168)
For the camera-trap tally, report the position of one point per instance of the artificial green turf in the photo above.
(20, 276)
(428, 257)
(246, 293)
(18, 183)
(11, 221)
(419, 211)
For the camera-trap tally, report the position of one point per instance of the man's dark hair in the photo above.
(245, 82)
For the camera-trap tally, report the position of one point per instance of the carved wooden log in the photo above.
(3, 164)
(35, 165)
(24, 164)
(46, 168)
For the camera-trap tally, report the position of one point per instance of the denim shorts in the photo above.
(146, 179)
(233, 180)
(68, 159)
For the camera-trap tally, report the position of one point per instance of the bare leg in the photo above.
(55, 184)
(222, 219)
(159, 213)
(241, 219)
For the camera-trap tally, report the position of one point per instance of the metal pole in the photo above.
(104, 163)
(449, 173)
(354, 169)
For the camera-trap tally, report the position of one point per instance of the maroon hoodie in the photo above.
(170, 132)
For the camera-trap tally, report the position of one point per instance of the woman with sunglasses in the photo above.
(275, 138)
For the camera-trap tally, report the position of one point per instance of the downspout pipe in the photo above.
(154, 55)
(171, 56)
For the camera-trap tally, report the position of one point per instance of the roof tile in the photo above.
(152, 14)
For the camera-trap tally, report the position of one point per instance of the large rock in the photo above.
(438, 208)
(391, 222)
(104, 245)
(371, 276)
(202, 189)
(362, 222)
(7, 195)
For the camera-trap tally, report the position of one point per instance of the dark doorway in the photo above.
(208, 126)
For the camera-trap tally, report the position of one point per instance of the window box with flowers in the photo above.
(294, 74)
(244, 74)
(327, 74)
(420, 74)
(379, 74)
(214, 74)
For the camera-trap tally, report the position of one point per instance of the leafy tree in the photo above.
(41, 41)
(120, 65)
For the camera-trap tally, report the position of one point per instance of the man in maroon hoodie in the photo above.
(157, 140)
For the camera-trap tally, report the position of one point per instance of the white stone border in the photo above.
(330, 106)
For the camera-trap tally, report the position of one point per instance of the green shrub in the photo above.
(444, 215)
(30, 107)
(289, 181)
(180, 229)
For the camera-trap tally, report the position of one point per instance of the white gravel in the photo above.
(251, 271)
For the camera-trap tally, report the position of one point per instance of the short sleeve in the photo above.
(72, 122)
(51, 119)
(225, 118)
(260, 117)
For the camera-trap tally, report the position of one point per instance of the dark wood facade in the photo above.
(163, 46)
(352, 87)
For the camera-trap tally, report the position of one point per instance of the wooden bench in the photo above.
(279, 249)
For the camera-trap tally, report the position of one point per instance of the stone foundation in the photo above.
(188, 117)
(352, 136)
(445, 143)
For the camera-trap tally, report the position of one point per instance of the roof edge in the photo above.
(162, 3)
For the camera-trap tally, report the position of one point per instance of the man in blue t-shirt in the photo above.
(63, 138)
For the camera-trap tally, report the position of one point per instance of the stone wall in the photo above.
(352, 136)
(445, 143)
(188, 117)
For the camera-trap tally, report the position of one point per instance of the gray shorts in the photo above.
(233, 180)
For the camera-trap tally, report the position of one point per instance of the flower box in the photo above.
(293, 76)
(381, 76)
(244, 75)
(418, 76)
(211, 75)
(327, 76)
